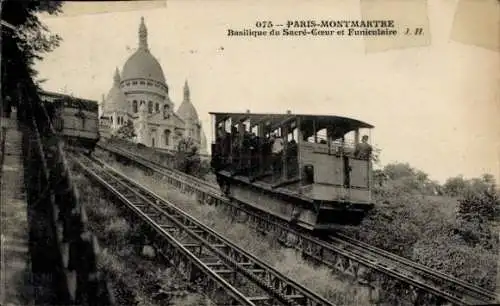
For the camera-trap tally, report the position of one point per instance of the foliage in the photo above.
(400, 220)
(411, 221)
(455, 186)
(187, 157)
(187, 144)
(449, 254)
(459, 186)
(28, 43)
(405, 178)
(137, 280)
(479, 204)
(126, 131)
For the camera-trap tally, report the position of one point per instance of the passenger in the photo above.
(363, 149)
(292, 158)
(254, 157)
(246, 152)
(277, 153)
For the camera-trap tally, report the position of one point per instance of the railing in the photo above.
(66, 249)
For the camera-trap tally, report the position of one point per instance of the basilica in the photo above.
(140, 94)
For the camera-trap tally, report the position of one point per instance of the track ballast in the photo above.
(228, 274)
(362, 261)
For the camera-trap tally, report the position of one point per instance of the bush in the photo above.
(126, 131)
(458, 239)
(482, 203)
(451, 255)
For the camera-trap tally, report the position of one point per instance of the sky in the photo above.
(434, 103)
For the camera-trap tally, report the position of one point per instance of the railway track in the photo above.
(227, 273)
(339, 252)
(469, 293)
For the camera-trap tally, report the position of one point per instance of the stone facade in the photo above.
(140, 94)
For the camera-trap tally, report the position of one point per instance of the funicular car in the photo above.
(318, 180)
(75, 120)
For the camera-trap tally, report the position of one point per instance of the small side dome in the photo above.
(116, 99)
(186, 110)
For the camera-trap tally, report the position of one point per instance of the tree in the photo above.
(399, 170)
(484, 204)
(455, 186)
(20, 48)
(479, 205)
(379, 177)
(187, 157)
(479, 199)
(458, 186)
(186, 144)
(126, 132)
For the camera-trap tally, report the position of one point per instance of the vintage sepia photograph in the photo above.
(250, 152)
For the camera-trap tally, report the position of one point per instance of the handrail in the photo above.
(52, 193)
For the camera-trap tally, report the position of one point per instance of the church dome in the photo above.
(186, 110)
(116, 99)
(142, 64)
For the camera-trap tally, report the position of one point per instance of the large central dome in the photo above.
(142, 64)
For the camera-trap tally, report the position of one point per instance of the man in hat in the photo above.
(277, 153)
(363, 149)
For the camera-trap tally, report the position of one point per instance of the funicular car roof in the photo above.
(84, 104)
(275, 120)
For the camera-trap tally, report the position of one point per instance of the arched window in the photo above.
(152, 142)
(150, 107)
(134, 106)
(166, 136)
(166, 111)
(157, 107)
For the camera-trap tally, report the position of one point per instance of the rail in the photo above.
(459, 285)
(209, 253)
(73, 251)
(341, 253)
(159, 167)
(3, 132)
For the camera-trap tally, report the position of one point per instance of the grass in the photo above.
(135, 280)
(419, 227)
(336, 289)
